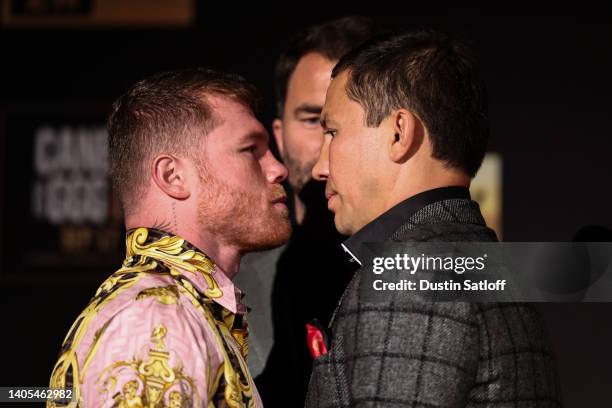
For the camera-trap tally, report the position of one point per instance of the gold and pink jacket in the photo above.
(165, 330)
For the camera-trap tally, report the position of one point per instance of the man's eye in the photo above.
(311, 121)
(249, 149)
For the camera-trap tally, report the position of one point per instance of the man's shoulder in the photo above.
(134, 319)
(445, 231)
(131, 296)
(455, 220)
(128, 296)
(124, 287)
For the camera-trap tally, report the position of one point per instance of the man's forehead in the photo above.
(338, 83)
(224, 105)
(336, 95)
(309, 81)
(257, 134)
(238, 133)
(245, 129)
(236, 121)
(311, 67)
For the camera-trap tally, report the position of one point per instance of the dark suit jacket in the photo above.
(429, 355)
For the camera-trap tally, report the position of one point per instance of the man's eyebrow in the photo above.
(255, 136)
(308, 108)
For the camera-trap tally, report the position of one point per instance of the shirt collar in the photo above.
(231, 299)
(386, 224)
(203, 273)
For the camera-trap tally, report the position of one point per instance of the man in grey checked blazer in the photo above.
(406, 130)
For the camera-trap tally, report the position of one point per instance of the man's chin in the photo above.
(342, 227)
(272, 236)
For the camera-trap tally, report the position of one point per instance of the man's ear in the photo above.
(277, 129)
(169, 173)
(406, 135)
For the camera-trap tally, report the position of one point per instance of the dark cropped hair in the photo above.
(435, 77)
(165, 113)
(332, 39)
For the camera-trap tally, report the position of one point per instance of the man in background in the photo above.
(302, 281)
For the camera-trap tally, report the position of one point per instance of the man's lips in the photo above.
(280, 204)
(329, 194)
(281, 200)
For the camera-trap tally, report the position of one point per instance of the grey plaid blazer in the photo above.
(431, 355)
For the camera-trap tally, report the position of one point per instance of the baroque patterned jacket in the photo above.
(165, 330)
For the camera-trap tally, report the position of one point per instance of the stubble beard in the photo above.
(235, 217)
(299, 173)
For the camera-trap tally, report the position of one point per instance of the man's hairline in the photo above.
(301, 57)
(216, 120)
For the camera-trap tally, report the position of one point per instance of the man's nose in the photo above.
(320, 171)
(277, 172)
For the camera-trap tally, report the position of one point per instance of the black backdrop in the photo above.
(549, 86)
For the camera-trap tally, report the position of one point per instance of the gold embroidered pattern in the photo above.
(167, 295)
(166, 255)
(169, 250)
(152, 382)
(66, 372)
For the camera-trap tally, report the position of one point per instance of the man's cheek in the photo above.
(367, 188)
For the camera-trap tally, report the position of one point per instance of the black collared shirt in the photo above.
(386, 224)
